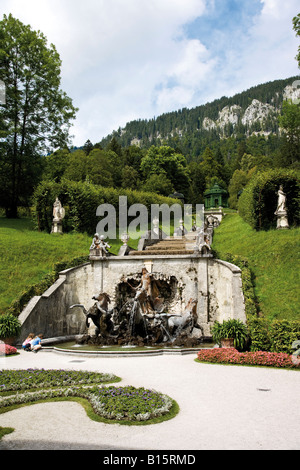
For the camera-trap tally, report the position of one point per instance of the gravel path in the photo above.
(221, 407)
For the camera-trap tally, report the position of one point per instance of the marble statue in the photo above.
(281, 206)
(281, 211)
(58, 216)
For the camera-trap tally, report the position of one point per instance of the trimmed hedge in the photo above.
(81, 200)
(258, 202)
(276, 335)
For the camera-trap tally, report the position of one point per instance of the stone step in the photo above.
(160, 252)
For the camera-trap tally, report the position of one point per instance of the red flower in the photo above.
(232, 356)
(6, 349)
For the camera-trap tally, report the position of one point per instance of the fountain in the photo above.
(142, 315)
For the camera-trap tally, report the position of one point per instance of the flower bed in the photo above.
(258, 358)
(130, 403)
(127, 405)
(14, 380)
(7, 350)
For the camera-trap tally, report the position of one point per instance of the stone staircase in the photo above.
(170, 246)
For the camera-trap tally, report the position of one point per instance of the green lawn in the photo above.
(273, 258)
(26, 256)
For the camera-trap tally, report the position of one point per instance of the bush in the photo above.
(282, 334)
(9, 325)
(259, 334)
(258, 201)
(231, 328)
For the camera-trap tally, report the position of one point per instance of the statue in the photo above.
(99, 314)
(281, 206)
(281, 211)
(100, 246)
(58, 216)
(147, 293)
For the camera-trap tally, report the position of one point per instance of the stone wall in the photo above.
(215, 284)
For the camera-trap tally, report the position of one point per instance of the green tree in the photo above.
(130, 178)
(296, 25)
(88, 147)
(159, 184)
(237, 183)
(100, 168)
(290, 124)
(76, 169)
(165, 160)
(55, 165)
(37, 113)
(209, 167)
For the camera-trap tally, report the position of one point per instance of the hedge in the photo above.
(265, 335)
(258, 202)
(81, 200)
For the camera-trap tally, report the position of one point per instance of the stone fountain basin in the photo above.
(68, 345)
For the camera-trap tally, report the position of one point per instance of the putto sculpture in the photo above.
(99, 247)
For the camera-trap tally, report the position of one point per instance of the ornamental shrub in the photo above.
(282, 334)
(9, 325)
(258, 201)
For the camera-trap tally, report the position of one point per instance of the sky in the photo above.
(137, 59)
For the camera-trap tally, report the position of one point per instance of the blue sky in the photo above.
(125, 60)
(229, 17)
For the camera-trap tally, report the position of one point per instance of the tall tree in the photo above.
(164, 160)
(290, 124)
(296, 25)
(37, 114)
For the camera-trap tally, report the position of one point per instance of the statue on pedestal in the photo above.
(58, 216)
(281, 211)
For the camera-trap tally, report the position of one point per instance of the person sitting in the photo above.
(26, 344)
(36, 343)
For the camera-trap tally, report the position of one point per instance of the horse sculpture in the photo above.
(177, 323)
(99, 314)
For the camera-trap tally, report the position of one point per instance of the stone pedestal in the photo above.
(57, 226)
(282, 220)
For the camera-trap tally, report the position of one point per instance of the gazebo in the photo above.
(215, 197)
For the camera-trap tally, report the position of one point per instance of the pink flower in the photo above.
(232, 356)
(7, 350)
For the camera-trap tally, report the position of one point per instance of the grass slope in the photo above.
(273, 258)
(26, 256)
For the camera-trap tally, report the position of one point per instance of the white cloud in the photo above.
(115, 53)
(129, 60)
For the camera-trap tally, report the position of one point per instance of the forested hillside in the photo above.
(192, 130)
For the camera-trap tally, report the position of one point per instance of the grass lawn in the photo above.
(273, 258)
(26, 256)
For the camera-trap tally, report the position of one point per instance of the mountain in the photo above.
(252, 113)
